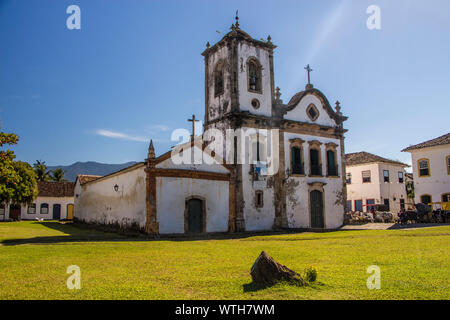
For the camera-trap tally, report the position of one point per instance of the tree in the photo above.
(40, 168)
(17, 179)
(26, 189)
(58, 174)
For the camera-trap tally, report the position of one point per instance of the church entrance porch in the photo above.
(195, 215)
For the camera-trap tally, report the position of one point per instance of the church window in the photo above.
(424, 167)
(297, 163)
(259, 200)
(312, 112)
(366, 176)
(314, 157)
(218, 79)
(332, 170)
(255, 104)
(254, 75)
(315, 162)
(44, 208)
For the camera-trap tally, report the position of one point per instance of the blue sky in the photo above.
(134, 70)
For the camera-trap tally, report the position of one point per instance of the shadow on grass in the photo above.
(82, 232)
(255, 287)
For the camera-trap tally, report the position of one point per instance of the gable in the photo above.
(306, 109)
(188, 157)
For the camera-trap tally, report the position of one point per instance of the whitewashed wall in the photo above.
(97, 201)
(63, 201)
(245, 97)
(171, 194)
(299, 112)
(439, 181)
(297, 189)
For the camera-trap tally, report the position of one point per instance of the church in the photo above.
(259, 165)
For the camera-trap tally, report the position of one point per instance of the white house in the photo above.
(54, 202)
(372, 179)
(260, 164)
(431, 169)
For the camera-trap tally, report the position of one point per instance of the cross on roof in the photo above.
(308, 69)
(193, 120)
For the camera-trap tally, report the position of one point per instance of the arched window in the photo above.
(332, 166)
(315, 162)
(423, 166)
(254, 75)
(297, 161)
(44, 208)
(218, 79)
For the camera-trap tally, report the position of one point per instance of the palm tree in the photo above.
(58, 174)
(41, 171)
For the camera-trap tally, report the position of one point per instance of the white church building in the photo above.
(260, 164)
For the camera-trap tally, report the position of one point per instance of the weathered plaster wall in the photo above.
(299, 112)
(257, 219)
(201, 162)
(98, 202)
(171, 194)
(218, 105)
(297, 189)
(245, 97)
(438, 183)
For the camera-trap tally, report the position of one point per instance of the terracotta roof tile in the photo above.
(356, 158)
(55, 188)
(445, 139)
(84, 178)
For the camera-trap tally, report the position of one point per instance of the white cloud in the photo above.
(161, 127)
(120, 135)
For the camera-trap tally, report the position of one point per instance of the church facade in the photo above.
(260, 164)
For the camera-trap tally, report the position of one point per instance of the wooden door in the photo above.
(70, 211)
(195, 216)
(14, 211)
(316, 199)
(56, 211)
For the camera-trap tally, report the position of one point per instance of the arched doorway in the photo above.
(70, 211)
(316, 201)
(195, 220)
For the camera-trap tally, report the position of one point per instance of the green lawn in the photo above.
(415, 264)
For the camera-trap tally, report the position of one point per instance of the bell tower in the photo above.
(238, 77)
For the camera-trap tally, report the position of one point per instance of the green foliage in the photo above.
(40, 168)
(17, 179)
(310, 274)
(57, 174)
(26, 189)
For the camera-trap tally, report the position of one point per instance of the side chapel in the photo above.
(303, 140)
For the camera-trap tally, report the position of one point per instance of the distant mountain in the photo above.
(90, 167)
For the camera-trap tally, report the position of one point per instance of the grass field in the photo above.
(415, 264)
